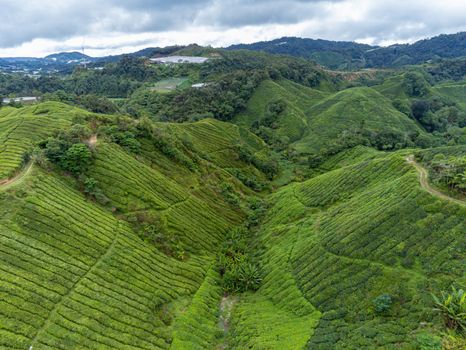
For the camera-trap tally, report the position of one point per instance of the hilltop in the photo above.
(351, 55)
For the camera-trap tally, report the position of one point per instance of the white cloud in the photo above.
(39, 27)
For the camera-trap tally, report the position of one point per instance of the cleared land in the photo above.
(168, 85)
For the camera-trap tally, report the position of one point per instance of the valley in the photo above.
(251, 201)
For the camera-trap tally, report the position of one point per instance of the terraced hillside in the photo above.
(21, 128)
(129, 252)
(298, 99)
(76, 274)
(311, 121)
(73, 275)
(454, 91)
(362, 108)
(335, 243)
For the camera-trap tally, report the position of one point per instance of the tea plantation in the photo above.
(302, 222)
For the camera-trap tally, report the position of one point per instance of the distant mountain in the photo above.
(62, 62)
(66, 61)
(442, 46)
(344, 55)
(332, 54)
(68, 56)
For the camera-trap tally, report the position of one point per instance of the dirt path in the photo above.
(4, 184)
(424, 180)
(226, 308)
(93, 140)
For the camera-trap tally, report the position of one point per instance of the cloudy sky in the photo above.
(40, 27)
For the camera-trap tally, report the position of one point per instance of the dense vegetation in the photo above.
(275, 206)
(350, 55)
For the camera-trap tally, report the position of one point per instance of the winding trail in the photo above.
(424, 180)
(6, 183)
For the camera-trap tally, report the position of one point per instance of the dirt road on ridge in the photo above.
(424, 180)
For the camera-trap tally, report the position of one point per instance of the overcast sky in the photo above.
(40, 27)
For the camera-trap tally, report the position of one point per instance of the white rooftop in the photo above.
(179, 59)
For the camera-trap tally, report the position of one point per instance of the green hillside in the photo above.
(81, 274)
(278, 206)
(357, 108)
(311, 121)
(21, 128)
(454, 91)
(292, 122)
(338, 241)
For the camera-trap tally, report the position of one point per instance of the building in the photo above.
(179, 60)
(31, 99)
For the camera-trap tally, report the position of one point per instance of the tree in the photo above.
(414, 84)
(419, 109)
(382, 303)
(77, 158)
(55, 149)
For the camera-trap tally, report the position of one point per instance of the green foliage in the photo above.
(197, 327)
(21, 129)
(414, 84)
(447, 171)
(155, 230)
(123, 134)
(269, 166)
(452, 306)
(93, 190)
(68, 151)
(236, 267)
(428, 341)
(437, 114)
(229, 194)
(222, 98)
(342, 239)
(382, 303)
(76, 159)
(357, 116)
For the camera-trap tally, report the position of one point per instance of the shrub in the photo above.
(228, 192)
(239, 272)
(68, 151)
(77, 159)
(452, 306)
(155, 231)
(241, 277)
(414, 84)
(428, 341)
(382, 303)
